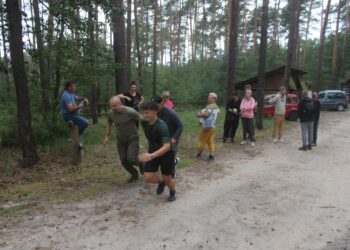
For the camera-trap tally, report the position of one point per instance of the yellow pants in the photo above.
(207, 137)
(278, 126)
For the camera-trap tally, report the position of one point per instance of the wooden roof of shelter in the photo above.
(295, 75)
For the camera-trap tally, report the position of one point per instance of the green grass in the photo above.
(55, 180)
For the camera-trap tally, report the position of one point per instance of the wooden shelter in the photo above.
(275, 79)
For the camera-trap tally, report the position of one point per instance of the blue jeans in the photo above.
(80, 121)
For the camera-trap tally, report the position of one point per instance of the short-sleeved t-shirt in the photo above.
(157, 134)
(134, 102)
(67, 98)
(125, 123)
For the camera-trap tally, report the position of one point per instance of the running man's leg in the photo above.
(167, 163)
(123, 155)
(133, 152)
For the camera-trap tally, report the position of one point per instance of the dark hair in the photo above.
(133, 83)
(234, 94)
(150, 106)
(157, 99)
(68, 84)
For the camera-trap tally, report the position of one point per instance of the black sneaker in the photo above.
(160, 188)
(303, 148)
(314, 144)
(172, 196)
(232, 140)
(309, 147)
(133, 179)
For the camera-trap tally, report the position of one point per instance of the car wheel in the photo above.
(293, 116)
(340, 107)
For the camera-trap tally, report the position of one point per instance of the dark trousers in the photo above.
(80, 121)
(315, 131)
(248, 128)
(230, 127)
(128, 152)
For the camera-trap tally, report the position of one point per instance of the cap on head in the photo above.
(213, 95)
(157, 99)
(166, 94)
(150, 106)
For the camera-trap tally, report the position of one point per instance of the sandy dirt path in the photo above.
(272, 197)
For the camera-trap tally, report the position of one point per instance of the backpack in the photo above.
(309, 107)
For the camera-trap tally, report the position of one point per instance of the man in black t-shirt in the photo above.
(159, 151)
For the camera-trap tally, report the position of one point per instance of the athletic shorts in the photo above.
(166, 164)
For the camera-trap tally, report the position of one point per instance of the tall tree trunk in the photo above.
(298, 38)
(335, 49)
(178, 37)
(255, 31)
(138, 51)
(119, 47)
(233, 38)
(204, 28)
(4, 47)
(154, 45)
(92, 59)
(194, 36)
(128, 42)
(345, 34)
(43, 63)
(161, 48)
(58, 63)
(213, 27)
(171, 43)
(321, 49)
(275, 32)
(306, 42)
(146, 40)
(262, 63)
(29, 152)
(50, 30)
(245, 31)
(293, 6)
(32, 21)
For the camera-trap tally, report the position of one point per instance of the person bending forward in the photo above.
(159, 153)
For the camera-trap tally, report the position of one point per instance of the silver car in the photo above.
(333, 100)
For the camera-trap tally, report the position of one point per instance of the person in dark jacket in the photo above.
(317, 105)
(306, 112)
(232, 117)
(175, 126)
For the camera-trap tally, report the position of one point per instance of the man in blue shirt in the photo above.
(70, 109)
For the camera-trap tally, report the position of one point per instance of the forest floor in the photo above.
(270, 197)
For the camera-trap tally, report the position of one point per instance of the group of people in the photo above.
(161, 125)
(163, 128)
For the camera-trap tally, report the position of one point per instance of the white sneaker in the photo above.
(275, 140)
(243, 142)
(252, 144)
(280, 140)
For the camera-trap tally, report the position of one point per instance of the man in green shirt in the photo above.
(159, 153)
(127, 135)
